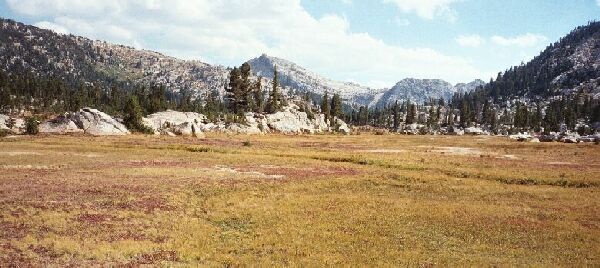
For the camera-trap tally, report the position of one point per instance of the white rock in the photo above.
(520, 137)
(3, 122)
(569, 139)
(19, 124)
(342, 127)
(62, 124)
(474, 131)
(97, 123)
(188, 129)
(180, 123)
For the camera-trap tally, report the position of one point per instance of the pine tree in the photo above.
(451, 118)
(465, 114)
(245, 97)
(157, 99)
(336, 106)
(493, 121)
(31, 125)
(274, 103)
(325, 106)
(396, 115)
(133, 115)
(259, 96)
(233, 90)
(411, 113)
(431, 120)
(595, 117)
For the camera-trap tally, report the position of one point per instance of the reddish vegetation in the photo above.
(94, 218)
(147, 204)
(154, 257)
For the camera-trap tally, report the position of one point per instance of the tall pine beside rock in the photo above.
(336, 106)
(325, 106)
(275, 102)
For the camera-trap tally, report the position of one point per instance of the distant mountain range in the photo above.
(303, 80)
(77, 59)
(26, 48)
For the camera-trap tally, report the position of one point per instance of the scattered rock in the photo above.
(590, 138)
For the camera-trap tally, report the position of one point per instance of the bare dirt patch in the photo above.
(457, 150)
(383, 151)
(19, 153)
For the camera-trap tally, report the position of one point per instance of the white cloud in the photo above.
(598, 2)
(525, 40)
(230, 32)
(470, 40)
(400, 22)
(427, 9)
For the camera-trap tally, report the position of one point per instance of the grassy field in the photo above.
(298, 201)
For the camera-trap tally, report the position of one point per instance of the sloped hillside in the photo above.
(570, 64)
(28, 49)
(303, 80)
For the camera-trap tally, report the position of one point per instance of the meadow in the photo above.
(312, 200)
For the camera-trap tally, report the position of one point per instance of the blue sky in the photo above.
(372, 42)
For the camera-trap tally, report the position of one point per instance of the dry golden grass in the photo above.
(376, 200)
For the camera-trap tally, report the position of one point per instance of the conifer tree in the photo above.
(493, 121)
(157, 99)
(325, 106)
(233, 90)
(396, 115)
(259, 96)
(245, 97)
(411, 113)
(336, 106)
(451, 118)
(595, 117)
(431, 121)
(275, 100)
(133, 115)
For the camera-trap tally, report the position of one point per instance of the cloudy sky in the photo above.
(372, 42)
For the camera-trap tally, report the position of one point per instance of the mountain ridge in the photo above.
(79, 59)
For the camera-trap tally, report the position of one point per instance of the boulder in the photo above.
(97, 123)
(455, 131)
(288, 122)
(548, 138)
(569, 139)
(474, 131)
(520, 137)
(180, 123)
(293, 121)
(590, 138)
(342, 127)
(188, 129)
(17, 128)
(62, 124)
(4, 122)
